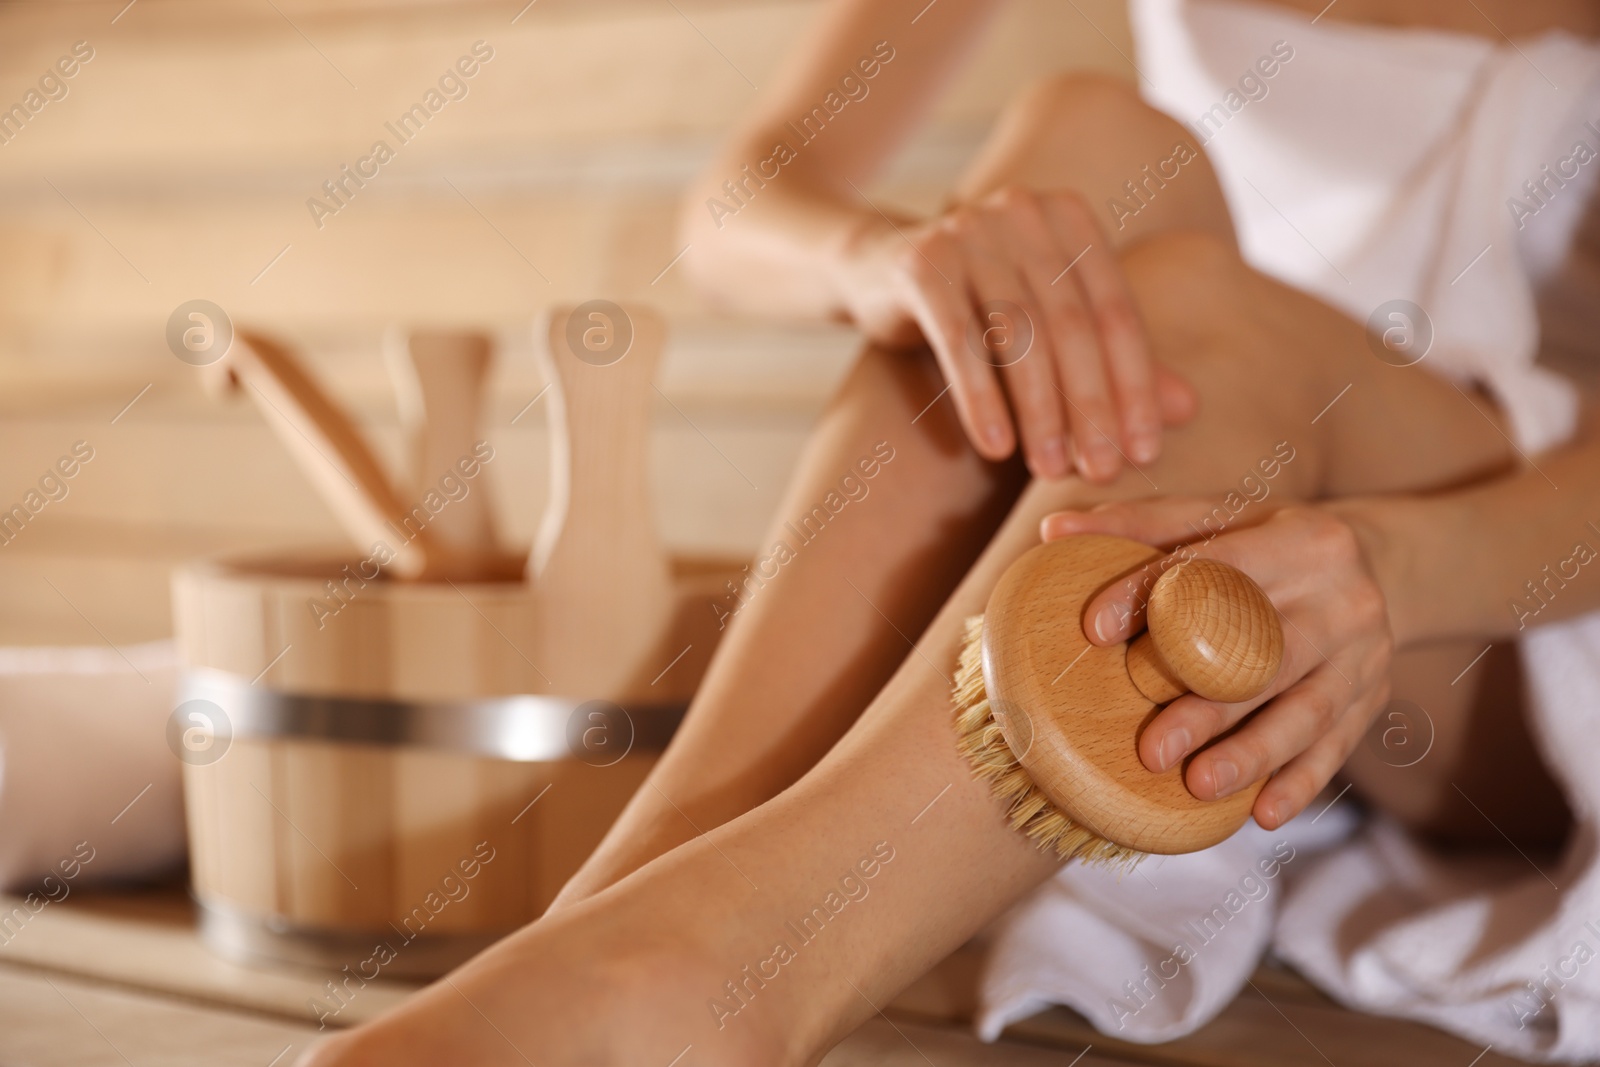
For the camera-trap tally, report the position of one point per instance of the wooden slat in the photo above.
(1262, 1030)
(565, 160)
(54, 1021)
(155, 495)
(278, 95)
(147, 941)
(488, 252)
(153, 946)
(132, 965)
(886, 1042)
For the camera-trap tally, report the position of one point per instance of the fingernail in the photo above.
(1053, 458)
(1223, 774)
(1144, 447)
(1108, 623)
(994, 435)
(1103, 459)
(1174, 747)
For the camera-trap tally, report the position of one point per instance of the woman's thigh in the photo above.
(1451, 757)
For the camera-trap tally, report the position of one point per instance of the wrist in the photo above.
(1382, 530)
(859, 264)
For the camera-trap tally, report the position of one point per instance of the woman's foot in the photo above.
(608, 981)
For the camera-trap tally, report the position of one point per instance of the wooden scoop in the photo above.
(1072, 712)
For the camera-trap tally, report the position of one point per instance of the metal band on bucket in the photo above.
(237, 934)
(525, 728)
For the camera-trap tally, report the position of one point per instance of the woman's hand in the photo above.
(1337, 646)
(1022, 288)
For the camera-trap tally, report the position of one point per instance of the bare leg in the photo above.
(819, 640)
(1451, 757)
(825, 629)
(808, 658)
(633, 973)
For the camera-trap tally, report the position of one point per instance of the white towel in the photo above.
(1154, 953)
(84, 760)
(1379, 165)
(1373, 165)
(1495, 949)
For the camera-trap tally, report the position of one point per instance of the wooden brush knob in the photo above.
(1212, 631)
(1071, 713)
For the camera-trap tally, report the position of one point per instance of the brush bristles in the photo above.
(1028, 809)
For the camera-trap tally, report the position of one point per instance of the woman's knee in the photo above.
(1139, 170)
(1189, 281)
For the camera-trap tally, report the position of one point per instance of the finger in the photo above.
(1097, 273)
(1117, 612)
(1176, 397)
(1036, 400)
(1272, 544)
(1191, 722)
(1030, 380)
(1276, 734)
(1036, 260)
(1253, 541)
(1161, 521)
(1300, 780)
(935, 290)
(1085, 386)
(1074, 343)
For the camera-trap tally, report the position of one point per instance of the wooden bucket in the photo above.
(396, 779)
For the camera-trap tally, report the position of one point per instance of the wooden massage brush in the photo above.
(1053, 722)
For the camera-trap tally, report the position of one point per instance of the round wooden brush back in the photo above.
(1072, 712)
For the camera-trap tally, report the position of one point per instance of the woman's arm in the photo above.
(1494, 559)
(1018, 293)
(770, 227)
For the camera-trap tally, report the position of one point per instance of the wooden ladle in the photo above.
(1072, 712)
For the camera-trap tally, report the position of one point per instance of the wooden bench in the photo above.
(118, 977)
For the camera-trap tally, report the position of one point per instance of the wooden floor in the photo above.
(121, 978)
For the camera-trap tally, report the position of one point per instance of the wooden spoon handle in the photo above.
(603, 588)
(1212, 631)
(330, 450)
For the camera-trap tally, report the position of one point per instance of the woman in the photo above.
(1162, 369)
